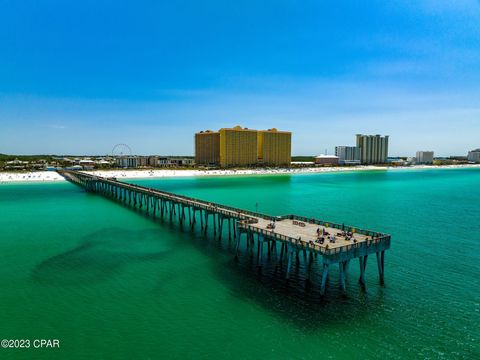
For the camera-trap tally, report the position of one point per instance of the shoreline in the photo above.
(52, 176)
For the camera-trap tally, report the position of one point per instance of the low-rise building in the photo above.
(164, 161)
(16, 165)
(103, 163)
(411, 160)
(153, 161)
(142, 161)
(326, 160)
(182, 161)
(87, 164)
(127, 161)
(167, 161)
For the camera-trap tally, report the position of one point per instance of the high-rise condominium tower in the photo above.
(373, 148)
(274, 147)
(207, 148)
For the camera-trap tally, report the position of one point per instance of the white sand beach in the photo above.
(34, 176)
(52, 176)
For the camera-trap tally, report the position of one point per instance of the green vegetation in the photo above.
(27, 162)
(450, 161)
(303, 158)
(5, 157)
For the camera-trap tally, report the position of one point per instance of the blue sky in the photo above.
(79, 77)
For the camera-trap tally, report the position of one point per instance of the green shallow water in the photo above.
(111, 283)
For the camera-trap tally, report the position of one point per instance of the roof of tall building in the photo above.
(274, 130)
(238, 128)
(207, 132)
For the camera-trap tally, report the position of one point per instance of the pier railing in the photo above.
(385, 239)
(206, 205)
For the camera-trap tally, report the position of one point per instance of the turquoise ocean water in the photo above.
(112, 283)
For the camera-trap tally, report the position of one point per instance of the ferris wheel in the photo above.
(121, 150)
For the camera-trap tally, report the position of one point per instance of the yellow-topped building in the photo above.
(238, 146)
(274, 147)
(207, 148)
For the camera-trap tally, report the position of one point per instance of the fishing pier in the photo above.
(294, 235)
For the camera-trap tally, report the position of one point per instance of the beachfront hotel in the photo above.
(373, 148)
(274, 147)
(239, 146)
(207, 147)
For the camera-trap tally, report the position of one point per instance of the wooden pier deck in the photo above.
(293, 233)
(306, 231)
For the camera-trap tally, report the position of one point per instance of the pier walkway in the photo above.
(334, 243)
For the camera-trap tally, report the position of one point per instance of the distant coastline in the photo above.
(52, 176)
